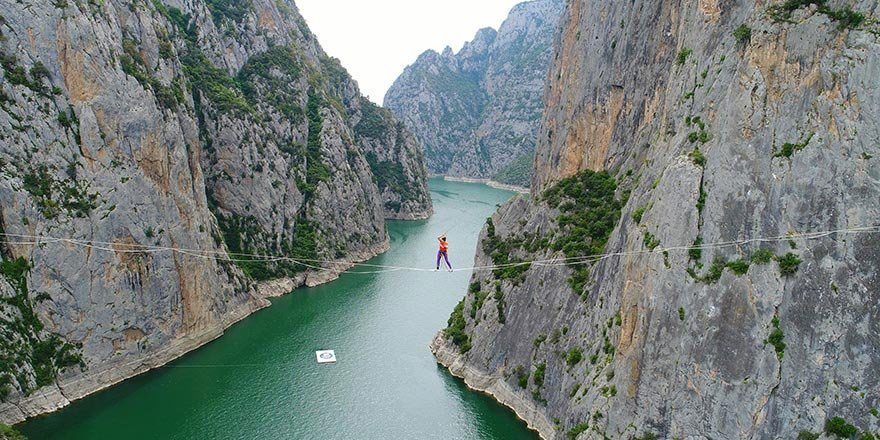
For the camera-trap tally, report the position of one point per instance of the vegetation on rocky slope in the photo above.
(589, 212)
(30, 357)
(518, 172)
(9, 433)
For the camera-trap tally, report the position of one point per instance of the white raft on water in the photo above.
(325, 356)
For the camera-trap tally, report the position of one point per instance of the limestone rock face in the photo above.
(477, 111)
(166, 145)
(708, 136)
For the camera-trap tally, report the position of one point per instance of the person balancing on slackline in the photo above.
(444, 247)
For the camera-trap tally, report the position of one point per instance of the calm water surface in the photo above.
(260, 380)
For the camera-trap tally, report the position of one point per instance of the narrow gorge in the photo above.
(150, 153)
(706, 190)
(477, 111)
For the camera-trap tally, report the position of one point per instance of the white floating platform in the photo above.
(325, 356)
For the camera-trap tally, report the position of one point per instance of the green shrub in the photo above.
(574, 357)
(701, 201)
(696, 252)
(697, 156)
(788, 263)
(522, 377)
(681, 313)
(839, 428)
(455, 328)
(847, 18)
(807, 435)
(608, 391)
(499, 303)
(574, 390)
(701, 136)
(713, 274)
(742, 34)
(867, 436)
(576, 430)
(9, 433)
(650, 241)
(788, 148)
(683, 55)
(776, 338)
(538, 377)
(638, 213)
(762, 256)
(739, 267)
(874, 412)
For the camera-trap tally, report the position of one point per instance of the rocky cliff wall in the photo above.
(477, 111)
(131, 128)
(671, 127)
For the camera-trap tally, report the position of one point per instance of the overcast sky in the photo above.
(376, 39)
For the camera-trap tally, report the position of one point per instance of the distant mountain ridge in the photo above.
(477, 112)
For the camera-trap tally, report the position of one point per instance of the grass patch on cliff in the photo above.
(589, 213)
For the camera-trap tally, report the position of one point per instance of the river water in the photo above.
(260, 380)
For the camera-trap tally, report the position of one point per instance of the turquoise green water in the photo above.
(260, 380)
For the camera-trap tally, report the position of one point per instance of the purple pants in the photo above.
(445, 256)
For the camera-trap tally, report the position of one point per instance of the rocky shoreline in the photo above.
(51, 399)
(525, 409)
(488, 182)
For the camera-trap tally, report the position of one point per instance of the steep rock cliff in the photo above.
(216, 128)
(477, 111)
(671, 127)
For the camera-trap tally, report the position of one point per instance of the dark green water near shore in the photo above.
(260, 380)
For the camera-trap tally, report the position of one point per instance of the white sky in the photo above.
(376, 39)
